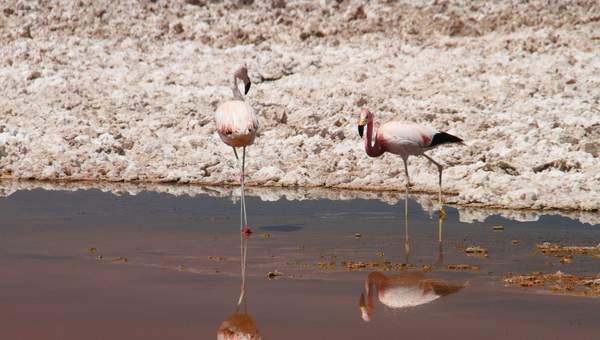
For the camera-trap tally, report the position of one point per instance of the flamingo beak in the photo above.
(246, 86)
(361, 128)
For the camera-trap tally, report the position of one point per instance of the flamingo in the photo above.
(237, 123)
(404, 139)
(408, 289)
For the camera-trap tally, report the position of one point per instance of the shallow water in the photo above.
(181, 279)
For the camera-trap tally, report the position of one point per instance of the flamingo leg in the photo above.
(405, 161)
(406, 236)
(440, 169)
(242, 185)
(243, 252)
(440, 243)
(245, 228)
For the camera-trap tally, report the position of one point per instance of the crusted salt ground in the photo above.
(93, 90)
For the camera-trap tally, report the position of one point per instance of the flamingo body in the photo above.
(404, 139)
(236, 123)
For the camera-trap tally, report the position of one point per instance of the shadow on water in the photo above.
(281, 228)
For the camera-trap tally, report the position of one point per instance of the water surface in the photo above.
(88, 264)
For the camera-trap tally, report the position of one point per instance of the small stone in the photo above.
(119, 260)
(304, 35)
(274, 274)
(177, 28)
(278, 4)
(26, 32)
(515, 242)
(498, 228)
(476, 251)
(361, 102)
(357, 235)
(463, 267)
(567, 259)
(8, 11)
(592, 148)
(34, 75)
(571, 81)
(100, 13)
(195, 2)
(92, 250)
(358, 14)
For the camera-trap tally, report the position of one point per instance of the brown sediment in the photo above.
(476, 251)
(559, 283)
(119, 259)
(460, 266)
(556, 249)
(274, 274)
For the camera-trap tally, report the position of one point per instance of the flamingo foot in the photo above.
(246, 231)
(442, 213)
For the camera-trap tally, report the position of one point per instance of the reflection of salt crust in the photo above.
(468, 215)
(122, 96)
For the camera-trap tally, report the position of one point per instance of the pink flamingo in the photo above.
(236, 124)
(404, 139)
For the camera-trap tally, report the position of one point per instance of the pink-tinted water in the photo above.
(182, 276)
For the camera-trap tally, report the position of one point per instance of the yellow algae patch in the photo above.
(461, 266)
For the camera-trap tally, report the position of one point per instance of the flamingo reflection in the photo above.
(240, 325)
(407, 289)
(407, 247)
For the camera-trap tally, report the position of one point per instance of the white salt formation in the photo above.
(126, 91)
(271, 194)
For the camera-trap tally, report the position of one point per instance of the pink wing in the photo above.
(406, 134)
(235, 117)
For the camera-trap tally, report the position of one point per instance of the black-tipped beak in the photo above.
(361, 129)
(246, 87)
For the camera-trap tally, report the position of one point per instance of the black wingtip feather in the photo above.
(444, 138)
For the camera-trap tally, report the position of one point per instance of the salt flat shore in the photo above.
(429, 204)
(126, 90)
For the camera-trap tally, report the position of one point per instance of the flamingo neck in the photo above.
(236, 90)
(375, 149)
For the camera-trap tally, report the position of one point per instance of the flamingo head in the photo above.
(365, 310)
(365, 116)
(242, 74)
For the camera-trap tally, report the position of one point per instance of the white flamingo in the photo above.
(236, 124)
(404, 139)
